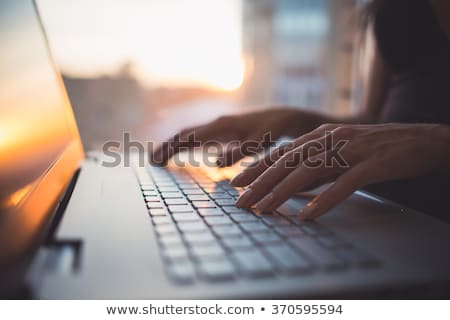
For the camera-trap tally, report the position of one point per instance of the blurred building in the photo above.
(299, 53)
(105, 106)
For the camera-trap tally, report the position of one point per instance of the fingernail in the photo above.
(308, 211)
(266, 202)
(244, 199)
(237, 180)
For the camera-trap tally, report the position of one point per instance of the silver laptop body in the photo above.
(74, 228)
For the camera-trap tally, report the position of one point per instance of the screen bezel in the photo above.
(21, 229)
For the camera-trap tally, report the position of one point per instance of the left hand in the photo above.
(350, 155)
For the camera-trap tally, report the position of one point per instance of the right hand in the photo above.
(253, 126)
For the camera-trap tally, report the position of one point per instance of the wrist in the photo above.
(441, 136)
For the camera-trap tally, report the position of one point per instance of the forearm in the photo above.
(441, 138)
(301, 121)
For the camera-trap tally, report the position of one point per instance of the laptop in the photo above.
(71, 227)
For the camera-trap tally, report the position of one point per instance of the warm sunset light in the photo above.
(170, 43)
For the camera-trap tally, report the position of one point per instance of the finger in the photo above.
(354, 179)
(274, 200)
(230, 156)
(281, 169)
(300, 179)
(251, 173)
(185, 140)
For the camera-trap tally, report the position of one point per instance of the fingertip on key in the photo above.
(308, 212)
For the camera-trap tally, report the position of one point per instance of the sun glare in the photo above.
(230, 77)
(171, 42)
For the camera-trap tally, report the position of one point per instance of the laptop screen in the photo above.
(36, 124)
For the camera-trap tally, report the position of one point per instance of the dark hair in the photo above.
(369, 11)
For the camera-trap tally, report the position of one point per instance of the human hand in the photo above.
(350, 155)
(249, 127)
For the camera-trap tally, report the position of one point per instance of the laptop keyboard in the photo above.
(202, 236)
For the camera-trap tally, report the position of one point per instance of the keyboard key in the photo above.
(161, 178)
(225, 202)
(212, 251)
(155, 205)
(173, 253)
(168, 189)
(254, 227)
(176, 201)
(149, 193)
(148, 183)
(188, 185)
(149, 187)
(227, 231)
(321, 257)
(266, 238)
(308, 230)
(163, 229)
(275, 220)
(193, 191)
(198, 197)
(237, 243)
(234, 192)
(199, 238)
(210, 212)
(212, 189)
(184, 217)
(224, 184)
(287, 259)
(172, 195)
(181, 272)
(157, 212)
(289, 231)
(166, 184)
(188, 227)
(168, 240)
(218, 220)
(152, 199)
(162, 220)
(252, 263)
(221, 270)
(204, 204)
(233, 209)
(180, 208)
(220, 195)
(243, 217)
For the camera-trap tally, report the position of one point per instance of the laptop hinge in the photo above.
(61, 208)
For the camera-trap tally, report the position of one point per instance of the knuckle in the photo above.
(326, 127)
(185, 132)
(224, 119)
(343, 131)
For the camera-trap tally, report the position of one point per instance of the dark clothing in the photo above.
(417, 50)
(414, 46)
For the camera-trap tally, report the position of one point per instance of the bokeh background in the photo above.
(152, 67)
